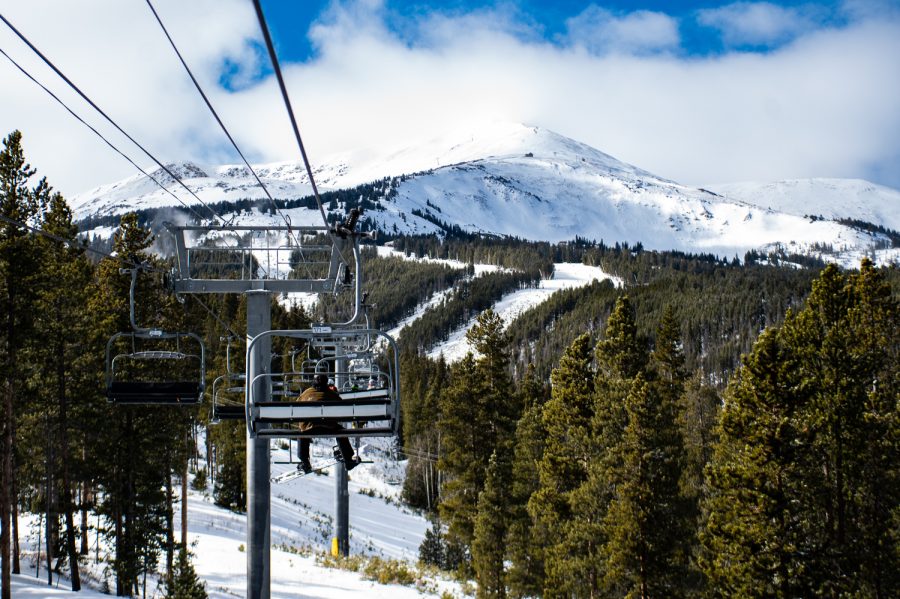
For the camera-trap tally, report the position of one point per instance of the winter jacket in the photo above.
(317, 394)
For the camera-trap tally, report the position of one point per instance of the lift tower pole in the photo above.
(255, 262)
(259, 320)
(341, 543)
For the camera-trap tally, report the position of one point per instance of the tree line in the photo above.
(629, 474)
(68, 455)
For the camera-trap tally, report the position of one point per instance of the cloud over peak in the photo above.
(822, 102)
(640, 32)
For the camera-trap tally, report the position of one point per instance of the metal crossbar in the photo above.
(234, 259)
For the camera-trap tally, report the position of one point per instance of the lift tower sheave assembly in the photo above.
(261, 261)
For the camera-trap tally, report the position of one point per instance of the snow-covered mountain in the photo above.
(534, 184)
(827, 198)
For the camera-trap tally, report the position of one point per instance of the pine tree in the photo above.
(620, 356)
(491, 526)
(184, 583)
(563, 468)
(525, 551)
(846, 338)
(463, 450)
(751, 536)
(62, 324)
(647, 525)
(479, 410)
(18, 268)
(874, 481)
(431, 550)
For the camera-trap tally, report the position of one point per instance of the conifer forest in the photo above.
(710, 428)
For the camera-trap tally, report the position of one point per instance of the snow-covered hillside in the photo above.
(534, 184)
(565, 276)
(827, 198)
(301, 517)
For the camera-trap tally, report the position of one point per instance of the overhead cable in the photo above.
(219, 120)
(287, 103)
(100, 135)
(106, 116)
(222, 323)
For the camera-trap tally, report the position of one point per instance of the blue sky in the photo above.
(699, 38)
(698, 92)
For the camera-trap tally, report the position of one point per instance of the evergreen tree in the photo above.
(525, 551)
(184, 583)
(620, 356)
(491, 526)
(62, 324)
(647, 525)
(804, 479)
(19, 265)
(479, 410)
(751, 536)
(462, 450)
(563, 468)
(846, 339)
(431, 551)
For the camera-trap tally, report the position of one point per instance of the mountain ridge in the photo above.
(531, 183)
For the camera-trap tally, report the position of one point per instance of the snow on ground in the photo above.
(566, 275)
(28, 586)
(301, 527)
(386, 251)
(433, 301)
(304, 299)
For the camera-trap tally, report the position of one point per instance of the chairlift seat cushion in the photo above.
(325, 412)
(229, 412)
(154, 392)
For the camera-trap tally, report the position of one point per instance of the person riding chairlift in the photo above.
(323, 390)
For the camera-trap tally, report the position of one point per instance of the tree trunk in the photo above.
(119, 548)
(184, 498)
(66, 486)
(49, 501)
(85, 526)
(130, 499)
(14, 506)
(170, 524)
(5, 484)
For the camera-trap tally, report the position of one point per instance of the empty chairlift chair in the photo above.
(129, 382)
(228, 392)
(152, 366)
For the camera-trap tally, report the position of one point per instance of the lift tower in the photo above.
(260, 261)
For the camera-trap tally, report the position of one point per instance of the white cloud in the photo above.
(640, 32)
(757, 23)
(824, 105)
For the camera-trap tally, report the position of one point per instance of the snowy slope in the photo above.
(300, 528)
(566, 275)
(828, 198)
(531, 183)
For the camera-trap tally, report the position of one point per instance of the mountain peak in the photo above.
(532, 183)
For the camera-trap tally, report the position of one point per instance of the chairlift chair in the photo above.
(126, 350)
(228, 391)
(372, 412)
(123, 388)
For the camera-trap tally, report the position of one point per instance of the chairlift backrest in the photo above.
(125, 386)
(181, 353)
